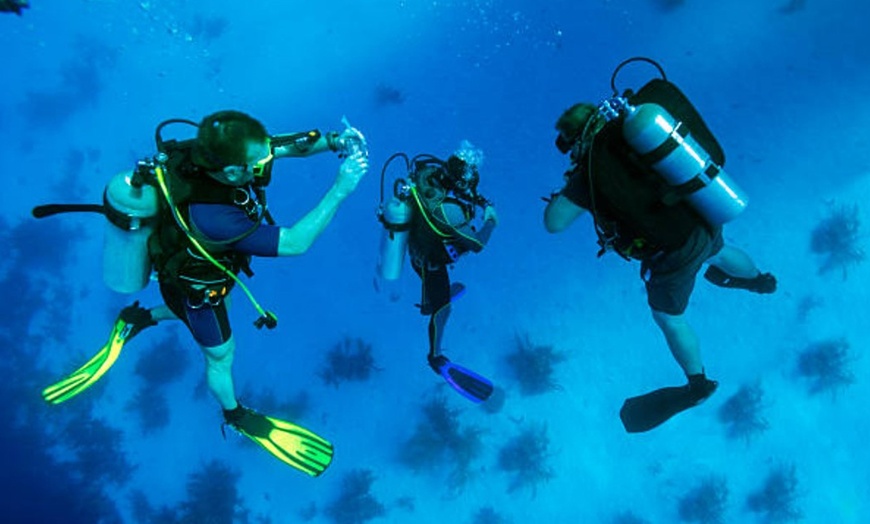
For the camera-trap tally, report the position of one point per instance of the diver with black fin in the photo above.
(195, 214)
(650, 173)
(437, 215)
(13, 6)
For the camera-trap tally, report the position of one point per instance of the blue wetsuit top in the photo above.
(208, 324)
(222, 222)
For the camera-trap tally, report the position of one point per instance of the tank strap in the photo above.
(665, 148)
(675, 194)
(126, 222)
(669, 96)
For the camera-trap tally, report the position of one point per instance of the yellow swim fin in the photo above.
(130, 322)
(289, 443)
(85, 376)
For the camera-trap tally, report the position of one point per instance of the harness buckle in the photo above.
(207, 296)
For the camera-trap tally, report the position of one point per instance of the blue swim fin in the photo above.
(466, 382)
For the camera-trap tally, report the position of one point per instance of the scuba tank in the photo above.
(396, 218)
(131, 210)
(395, 215)
(686, 166)
(668, 147)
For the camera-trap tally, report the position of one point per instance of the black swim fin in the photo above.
(650, 410)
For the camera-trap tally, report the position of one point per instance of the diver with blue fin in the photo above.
(194, 215)
(650, 173)
(437, 215)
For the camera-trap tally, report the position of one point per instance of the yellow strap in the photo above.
(432, 225)
(425, 214)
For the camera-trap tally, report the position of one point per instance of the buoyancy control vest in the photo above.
(176, 260)
(435, 236)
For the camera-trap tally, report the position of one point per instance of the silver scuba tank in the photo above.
(131, 212)
(683, 163)
(394, 240)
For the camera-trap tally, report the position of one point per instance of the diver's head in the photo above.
(461, 177)
(435, 179)
(232, 147)
(571, 125)
(463, 173)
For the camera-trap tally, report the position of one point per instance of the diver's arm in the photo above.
(469, 236)
(298, 239)
(303, 144)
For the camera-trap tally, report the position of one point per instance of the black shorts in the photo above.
(209, 325)
(670, 276)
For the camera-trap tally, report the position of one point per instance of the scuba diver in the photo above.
(13, 6)
(649, 171)
(437, 215)
(195, 214)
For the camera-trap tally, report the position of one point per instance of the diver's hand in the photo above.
(350, 141)
(490, 214)
(344, 143)
(352, 169)
(347, 143)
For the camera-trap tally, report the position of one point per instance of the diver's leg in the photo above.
(684, 346)
(437, 323)
(670, 280)
(436, 295)
(219, 372)
(682, 341)
(162, 312)
(210, 326)
(735, 262)
(732, 268)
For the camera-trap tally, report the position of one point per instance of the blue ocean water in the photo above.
(783, 85)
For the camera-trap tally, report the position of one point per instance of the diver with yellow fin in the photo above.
(437, 215)
(651, 175)
(195, 214)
